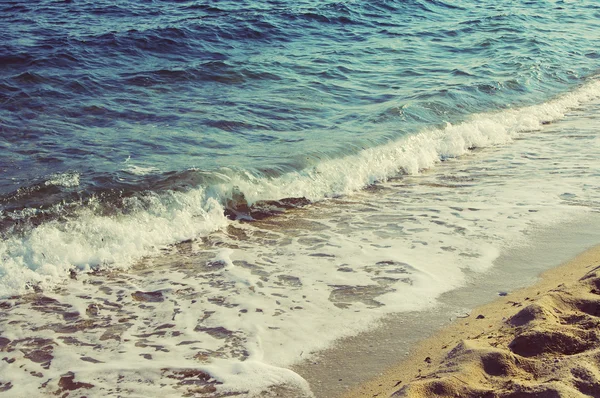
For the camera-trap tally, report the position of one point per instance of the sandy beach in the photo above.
(538, 341)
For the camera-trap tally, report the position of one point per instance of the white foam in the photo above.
(255, 377)
(140, 170)
(67, 180)
(410, 154)
(47, 253)
(266, 295)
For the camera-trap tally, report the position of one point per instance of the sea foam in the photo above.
(235, 310)
(47, 253)
(410, 154)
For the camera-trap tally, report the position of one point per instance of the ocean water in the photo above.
(197, 195)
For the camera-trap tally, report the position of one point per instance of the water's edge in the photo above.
(354, 360)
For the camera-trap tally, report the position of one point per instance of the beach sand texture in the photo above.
(540, 341)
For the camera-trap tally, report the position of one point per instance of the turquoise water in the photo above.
(195, 196)
(124, 122)
(155, 96)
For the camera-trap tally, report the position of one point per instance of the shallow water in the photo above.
(130, 121)
(233, 310)
(198, 196)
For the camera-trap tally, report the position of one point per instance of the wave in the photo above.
(410, 154)
(90, 236)
(86, 240)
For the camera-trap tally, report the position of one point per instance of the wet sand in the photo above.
(538, 341)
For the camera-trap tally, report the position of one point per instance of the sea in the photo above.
(196, 196)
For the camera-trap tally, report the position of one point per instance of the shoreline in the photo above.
(355, 360)
(452, 360)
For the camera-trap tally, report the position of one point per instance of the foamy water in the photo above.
(90, 238)
(231, 310)
(198, 196)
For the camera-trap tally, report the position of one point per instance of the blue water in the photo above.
(154, 115)
(258, 87)
(138, 138)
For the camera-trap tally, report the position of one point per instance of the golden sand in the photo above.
(540, 341)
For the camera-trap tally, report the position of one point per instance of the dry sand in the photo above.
(541, 341)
